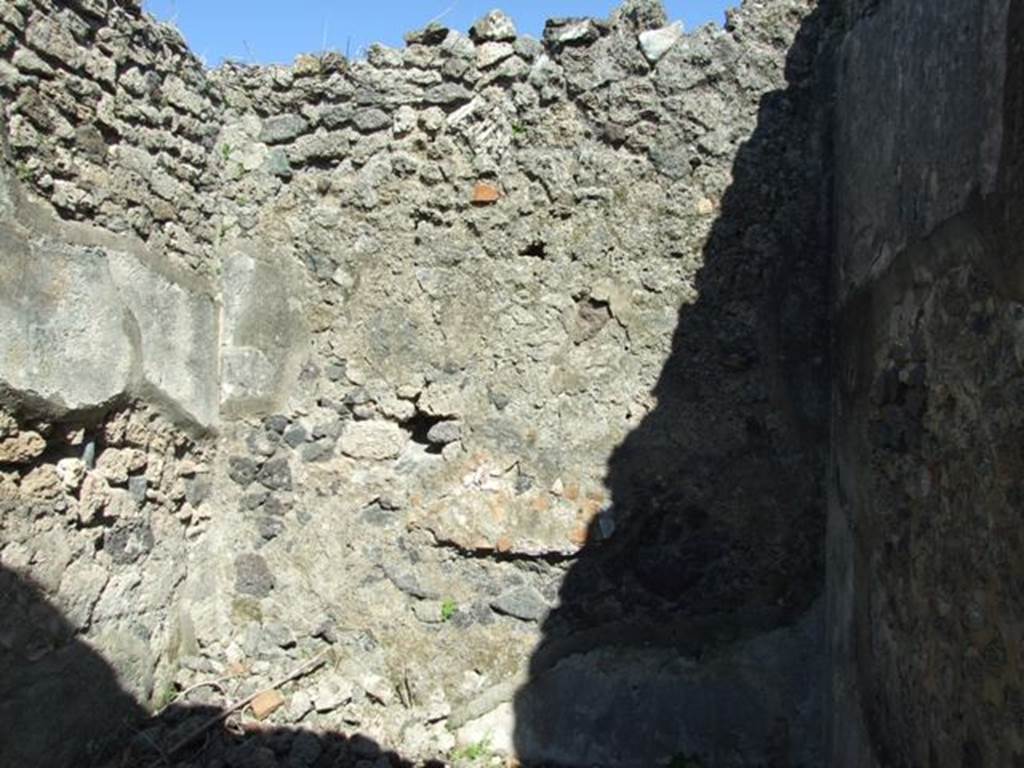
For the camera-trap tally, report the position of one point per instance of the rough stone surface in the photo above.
(924, 600)
(494, 26)
(266, 703)
(21, 448)
(372, 440)
(655, 43)
(59, 347)
(87, 569)
(494, 375)
(524, 603)
(253, 576)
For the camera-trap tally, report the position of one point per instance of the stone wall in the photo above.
(110, 119)
(110, 188)
(924, 533)
(496, 367)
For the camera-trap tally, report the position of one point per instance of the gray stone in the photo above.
(372, 119)
(383, 57)
(80, 588)
(405, 580)
(296, 435)
(276, 474)
(377, 688)
(672, 160)
(377, 440)
(242, 469)
(570, 32)
(331, 693)
(335, 371)
(357, 396)
(276, 424)
(743, 687)
(49, 36)
(495, 26)
(278, 634)
(277, 164)
(489, 54)
(428, 611)
(128, 540)
(197, 490)
(655, 43)
(31, 63)
(329, 429)
(336, 115)
(524, 603)
(318, 147)
(270, 527)
(445, 432)
(254, 498)
(137, 488)
(432, 34)
(647, 293)
(447, 94)
(282, 128)
(327, 631)
(274, 506)
(253, 576)
(299, 705)
(641, 15)
(318, 451)
(528, 48)
(262, 442)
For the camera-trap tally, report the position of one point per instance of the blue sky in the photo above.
(274, 31)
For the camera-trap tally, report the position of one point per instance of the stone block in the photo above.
(266, 703)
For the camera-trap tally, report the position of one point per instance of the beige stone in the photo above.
(266, 703)
(115, 464)
(42, 482)
(22, 448)
(94, 497)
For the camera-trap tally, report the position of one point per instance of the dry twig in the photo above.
(206, 683)
(295, 674)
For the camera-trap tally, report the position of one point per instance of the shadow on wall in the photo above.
(689, 630)
(61, 705)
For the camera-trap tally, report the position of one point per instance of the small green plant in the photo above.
(167, 696)
(226, 150)
(475, 751)
(448, 609)
(518, 128)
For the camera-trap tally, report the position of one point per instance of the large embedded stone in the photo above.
(21, 448)
(176, 330)
(264, 331)
(65, 336)
(372, 440)
(281, 128)
(655, 43)
(494, 26)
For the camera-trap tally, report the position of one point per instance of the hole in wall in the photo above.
(419, 425)
(536, 249)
